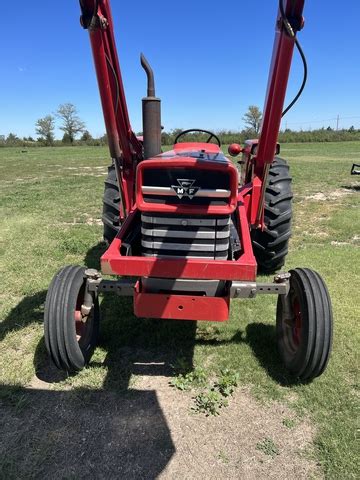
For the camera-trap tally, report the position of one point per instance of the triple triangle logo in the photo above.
(185, 188)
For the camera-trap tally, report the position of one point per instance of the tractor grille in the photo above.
(183, 237)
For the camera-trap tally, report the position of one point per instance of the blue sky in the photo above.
(211, 61)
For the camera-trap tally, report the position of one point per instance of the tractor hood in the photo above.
(203, 151)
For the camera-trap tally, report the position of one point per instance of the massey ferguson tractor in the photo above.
(187, 229)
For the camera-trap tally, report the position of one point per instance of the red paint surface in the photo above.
(180, 307)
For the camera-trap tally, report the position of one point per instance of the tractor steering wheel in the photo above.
(212, 135)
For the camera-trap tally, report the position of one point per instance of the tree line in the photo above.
(71, 125)
(75, 133)
(285, 136)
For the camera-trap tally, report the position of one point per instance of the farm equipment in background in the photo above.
(355, 169)
(186, 232)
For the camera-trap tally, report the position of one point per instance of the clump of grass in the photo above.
(209, 402)
(213, 399)
(289, 422)
(189, 380)
(227, 383)
(223, 457)
(268, 447)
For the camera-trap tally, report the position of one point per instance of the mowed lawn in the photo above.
(51, 202)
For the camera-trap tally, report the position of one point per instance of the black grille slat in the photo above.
(186, 241)
(165, 200)
(190, 228)
(185, 237)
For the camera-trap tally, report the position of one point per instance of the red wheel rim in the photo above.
(79, 324)
(82, 322)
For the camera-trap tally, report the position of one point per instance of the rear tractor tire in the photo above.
(111, 206)
(270, 246)
(70, 334)
(304, 325)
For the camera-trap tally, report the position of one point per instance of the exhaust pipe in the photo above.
(151, 111)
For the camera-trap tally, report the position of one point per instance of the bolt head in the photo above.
(92, 273)
(282, 277)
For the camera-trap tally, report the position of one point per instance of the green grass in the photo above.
(268, 447)
(50, 216)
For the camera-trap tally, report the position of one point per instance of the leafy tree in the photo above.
(45, 127)
(104, 139)
(66, 139)
(71, 123)
(252, 118)
(12, 139)
(86, 136)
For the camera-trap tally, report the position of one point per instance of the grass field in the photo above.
(51, 216)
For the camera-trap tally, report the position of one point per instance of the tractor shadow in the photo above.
(261, 338)
(82, 433)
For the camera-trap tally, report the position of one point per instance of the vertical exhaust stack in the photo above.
(151, 110)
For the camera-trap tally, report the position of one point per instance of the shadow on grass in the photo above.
(28, 311)
(356, 188)
(262, 340)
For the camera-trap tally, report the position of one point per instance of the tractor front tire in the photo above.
(304, 325)
(270, 246)
(70, 336)
(111, 206)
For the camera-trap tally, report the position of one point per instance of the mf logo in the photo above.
(185, 188)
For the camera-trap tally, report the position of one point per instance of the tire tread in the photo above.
(271, 245)
(111, 206)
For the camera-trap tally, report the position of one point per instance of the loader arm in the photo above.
(125, 148)
(285, 38)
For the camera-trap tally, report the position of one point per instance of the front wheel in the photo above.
(304, 325)
(71, 332)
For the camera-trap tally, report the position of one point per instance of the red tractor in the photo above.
(186, 231)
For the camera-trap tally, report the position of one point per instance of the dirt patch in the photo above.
(149, 432)
(317, 233)
(339, 244)
(88, 220)
(334, 195)
(229, 445)
(94, 221)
